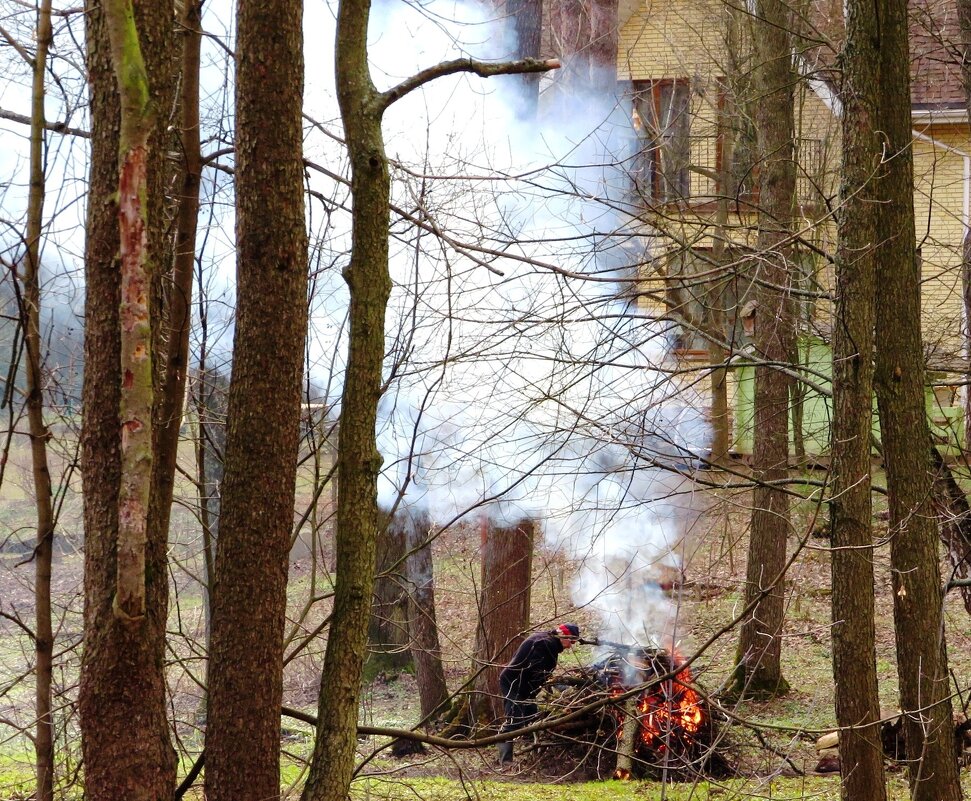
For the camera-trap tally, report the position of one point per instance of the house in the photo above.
(693, 171)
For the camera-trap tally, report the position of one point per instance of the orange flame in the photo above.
(672, 708)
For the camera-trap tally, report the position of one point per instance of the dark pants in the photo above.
(519, 712)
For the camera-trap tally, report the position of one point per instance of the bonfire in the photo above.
(633, 714)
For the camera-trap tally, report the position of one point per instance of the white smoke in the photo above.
(521, 383)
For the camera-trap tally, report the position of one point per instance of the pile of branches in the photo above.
(589, 740)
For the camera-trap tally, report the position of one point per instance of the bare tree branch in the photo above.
(56, 127)
(26, 56)
(484, 69)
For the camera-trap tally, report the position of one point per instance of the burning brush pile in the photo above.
(633, 714)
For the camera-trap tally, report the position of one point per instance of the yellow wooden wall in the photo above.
(685, 39)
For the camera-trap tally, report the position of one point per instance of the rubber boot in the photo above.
(505, 752)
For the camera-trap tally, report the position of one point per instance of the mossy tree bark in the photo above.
(759, 670)
(124, 730)
(899, 381)
(263, 427)
(135, 402)
(359, 462)
(854, 655)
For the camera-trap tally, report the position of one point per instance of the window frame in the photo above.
(650, 175)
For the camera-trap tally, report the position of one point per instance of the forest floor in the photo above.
(771, 744)
(779, 761)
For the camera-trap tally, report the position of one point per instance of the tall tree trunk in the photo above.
(124, 730)
(854, 655)
(388, 629)
(211, 400)
(964, 21)
(954, 519)
(172, 291)
(759, 669)
(135, 407)
(585, 35)
(526, 20)
(359, 462)
(422, 625)
(506, 570)
(721, 434)
(263, 431)
(39, 433)
(966, 298)
(899, 382)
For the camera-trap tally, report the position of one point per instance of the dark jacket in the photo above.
(531, 666)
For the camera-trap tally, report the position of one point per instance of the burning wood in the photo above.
(650, 722)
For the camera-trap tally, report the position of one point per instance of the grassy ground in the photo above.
(779, 766)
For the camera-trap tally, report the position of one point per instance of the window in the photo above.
(662, 119)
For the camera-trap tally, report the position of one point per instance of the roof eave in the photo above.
(943, 116)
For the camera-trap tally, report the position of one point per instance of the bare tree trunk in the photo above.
(954, 519)
(506, 571)
(721, 434)
(39, 433)
(964, 20)
(422, 625)
(759, 669)
(388, 629)
(135, 408)
(966, 297)
(585, 36)
(263, 432)
(899, 381)
(526, 18)
(210, 450)
(172, 293)
(124, 728)
(359, 462)
(854, 656)
(627, 742)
